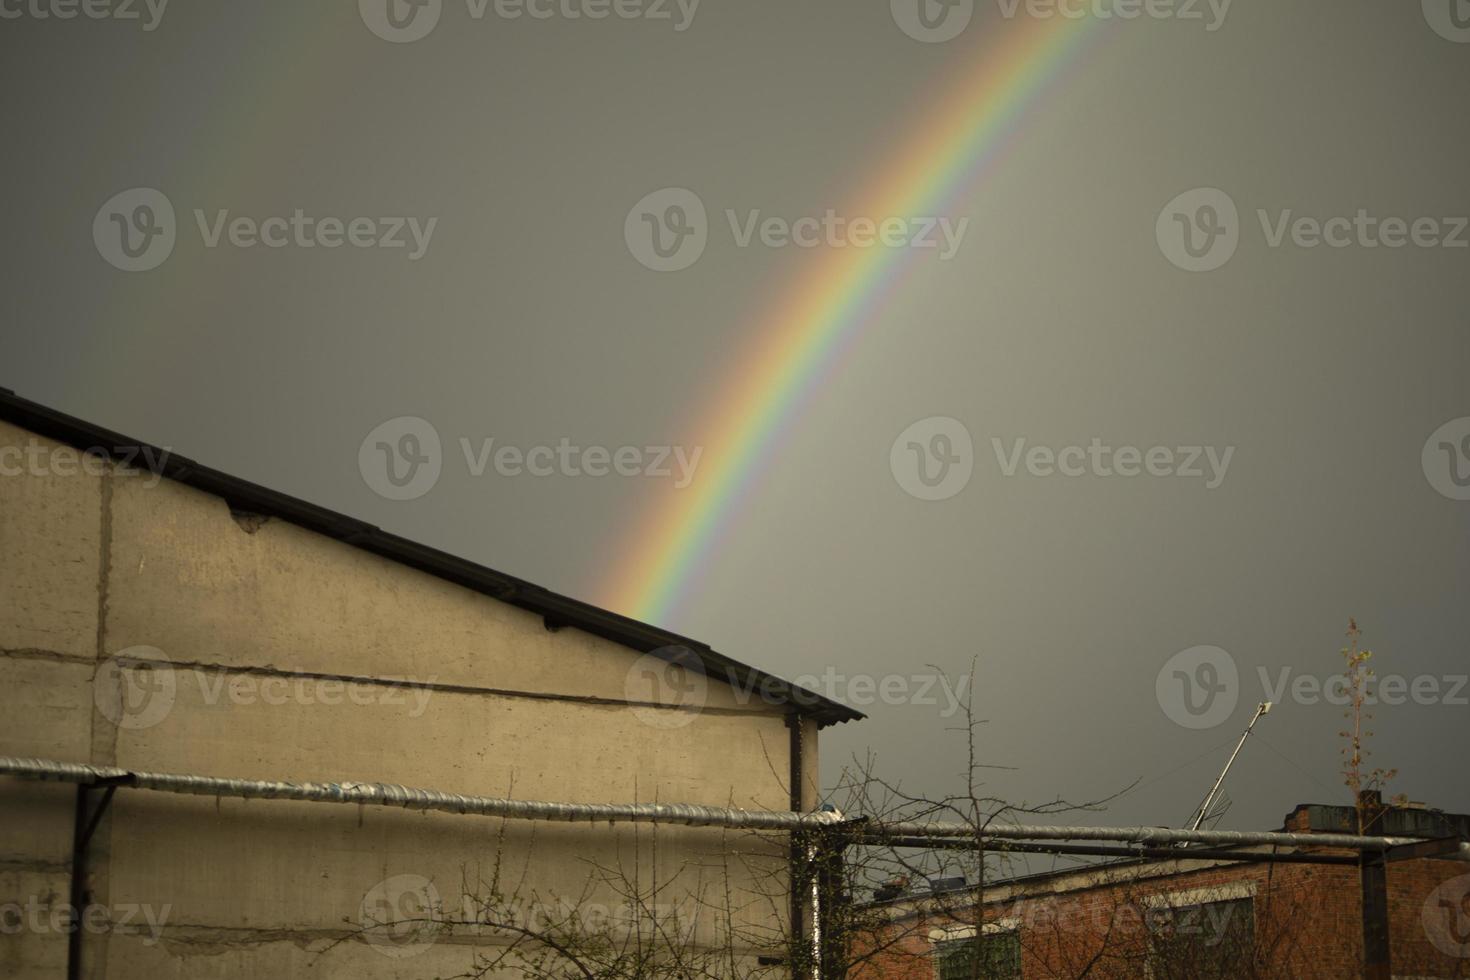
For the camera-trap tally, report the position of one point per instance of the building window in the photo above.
(999, 954)
(1202, 941)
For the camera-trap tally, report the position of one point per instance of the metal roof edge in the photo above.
(557, 611)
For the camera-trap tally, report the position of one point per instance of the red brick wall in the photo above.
(1307, 924)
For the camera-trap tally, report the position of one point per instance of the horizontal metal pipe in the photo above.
(1139, 835)
(407, 797)
(1118, 850)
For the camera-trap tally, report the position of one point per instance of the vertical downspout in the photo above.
(1373, 875)
(1373, 881)
(804, 910)
(88, 816)
(78, 891)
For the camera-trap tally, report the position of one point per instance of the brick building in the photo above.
(1201, 919)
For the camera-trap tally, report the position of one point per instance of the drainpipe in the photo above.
(88, 816)
(805, 899)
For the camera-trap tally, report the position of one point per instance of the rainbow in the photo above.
(799, 339)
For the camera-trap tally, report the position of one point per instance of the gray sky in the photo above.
(1063, 316)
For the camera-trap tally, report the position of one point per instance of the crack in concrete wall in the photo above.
(54, 656)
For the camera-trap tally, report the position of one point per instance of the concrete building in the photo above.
(1190, 918)
(159, 616)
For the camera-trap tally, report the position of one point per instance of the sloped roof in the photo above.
(557, 611)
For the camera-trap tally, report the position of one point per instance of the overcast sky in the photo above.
(1290, 397)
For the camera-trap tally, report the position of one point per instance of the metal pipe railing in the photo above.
(1141, 835)
(411, 798)
(690, 814)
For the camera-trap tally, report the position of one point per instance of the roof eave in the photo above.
(557, 611)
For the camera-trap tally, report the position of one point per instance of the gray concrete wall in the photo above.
(241, 620)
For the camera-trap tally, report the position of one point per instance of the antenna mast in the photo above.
(1204, 808)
